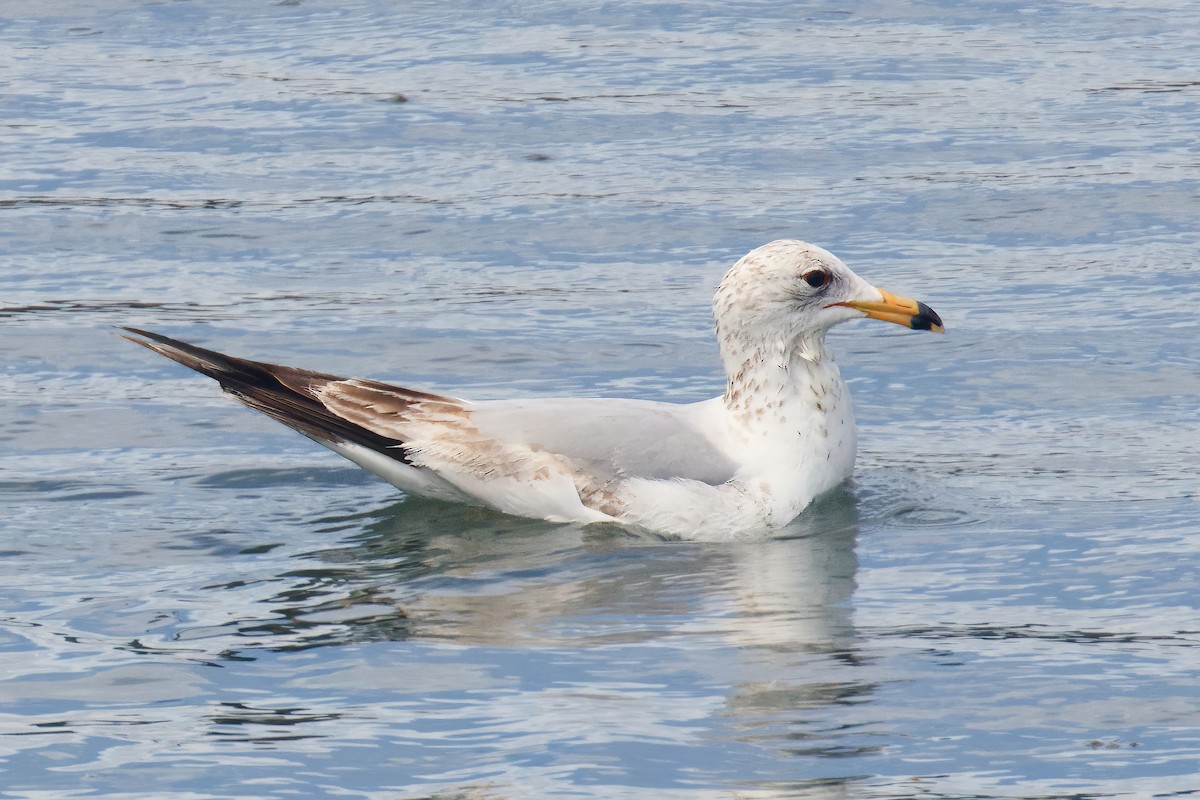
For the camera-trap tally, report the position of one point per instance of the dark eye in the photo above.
(816, 278)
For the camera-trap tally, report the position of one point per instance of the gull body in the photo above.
(735, 466)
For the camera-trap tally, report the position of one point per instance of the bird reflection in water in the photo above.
(421, 571)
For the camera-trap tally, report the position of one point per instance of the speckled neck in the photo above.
(774, 379)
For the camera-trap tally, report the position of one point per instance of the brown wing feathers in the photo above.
(287, 394)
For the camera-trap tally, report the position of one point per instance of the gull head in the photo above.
(793, 292)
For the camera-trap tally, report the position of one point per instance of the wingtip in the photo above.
(146, 335)
(139, 332)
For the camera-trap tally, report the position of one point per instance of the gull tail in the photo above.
(286, 394)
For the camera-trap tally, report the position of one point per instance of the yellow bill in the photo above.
(900, 310)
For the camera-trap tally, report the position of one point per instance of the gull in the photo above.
(737, 466)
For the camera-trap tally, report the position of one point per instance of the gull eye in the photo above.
(816, 278)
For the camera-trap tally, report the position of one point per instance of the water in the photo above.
(537, 199)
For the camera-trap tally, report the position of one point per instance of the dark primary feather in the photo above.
(287, 394)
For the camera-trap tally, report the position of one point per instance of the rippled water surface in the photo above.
(537, 199)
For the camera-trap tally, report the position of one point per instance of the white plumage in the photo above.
(737, 465)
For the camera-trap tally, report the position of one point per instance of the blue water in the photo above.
(538, 199)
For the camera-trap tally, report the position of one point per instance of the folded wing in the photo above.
(548, 458)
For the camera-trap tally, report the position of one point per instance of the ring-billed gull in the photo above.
(743, 463)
